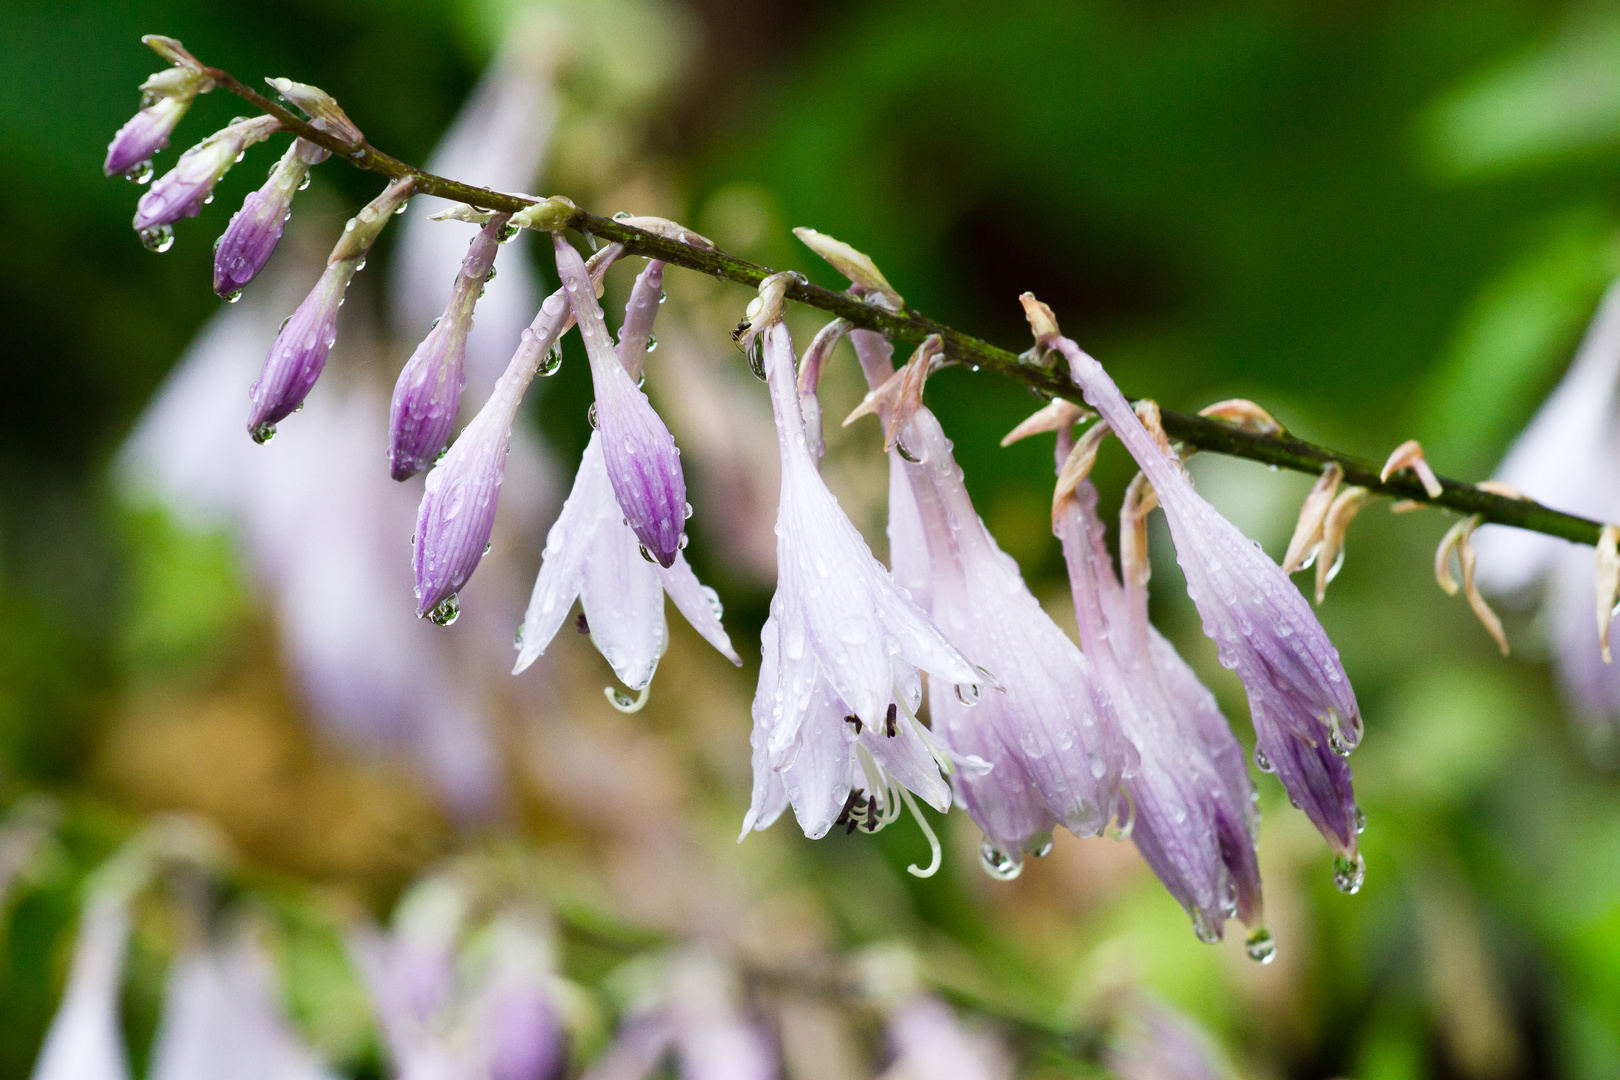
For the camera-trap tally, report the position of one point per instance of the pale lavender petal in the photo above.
(700, 604)
(930, 1043)
(1299, 697)
(518, 1016)
(182, 191)
(622, 596)
(770, 794)
(588, 508)
(255, 229)
(636, 334)
(427, 395)
(819, 777)
(642, 460)
(299, 354)
(713, 1041)
(85, 1040)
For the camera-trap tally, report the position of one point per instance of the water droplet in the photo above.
(662, 295)
(756, 361)
(968, 695)
(714, 601)
(1348, 874)
(400, 209)
(1261, 946)
(1361, 821)
(646, 554)
(680, 545)
(1208, 931)
(158, 238)
(233, 297)
(262, 433)
(621, 700)
(517, 638)
(623, 215)
(487, 546)
(1262, 762)
(139, 173)
(652, 343)
(1039, 845)
(447, 612)
(304, 183)
(900, 448)
(550, 362)
(687, 513)
(998, 864)
(590, 414)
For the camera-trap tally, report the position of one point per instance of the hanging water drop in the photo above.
(1349, 873)
(645, 554)
(680, 545)
(158, 238)
(623, 215)
(968, 695)
(550, 362)
(663, 295)
(998, 864)
(756, 361)
(590, 414)
(1261, 946)
(139, 173)
(1262, 762)
(262, 433)
(1361, 821)
(687, 512)
(447, 612)
(652, 343)
(1039, 845)
(233, 297)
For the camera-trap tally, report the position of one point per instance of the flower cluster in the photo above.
(1014, 723)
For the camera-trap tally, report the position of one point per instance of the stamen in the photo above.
(1245, 414)
(1409, 455)
(853, 721)
(581, 624)
(888, 722)
(1055, 415)
(1307, 538)
(622, 701)
(934, 849)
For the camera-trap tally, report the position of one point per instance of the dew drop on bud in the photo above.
(1039, 845)
(623, 215)
(550, 362)
(968, 695)
(680, 545)
(662, 295)
(233, 297)
(304, 183)
(652, 343)
(1261, 946)
(1348, 874)
(756, 361)
(688, 512)
(1262, 762)
(998, 864)
(590, 414)
(900, 448)
(158, 238)
(400, 209)
(262, 433)
(446, 613)
(645, 554)
(1361, 821)
(487, 547)
(139, 173)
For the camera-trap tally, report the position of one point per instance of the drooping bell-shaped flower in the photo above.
(300, 350)
(85, 1040)
(1039, 720)
(1303, 709)
(592, 553)
(428, 393)
(165, 98)
(1190, 810)
(643, 464)
(841, 648)
(255, 229)
(457, 513)
(221, 1022)
(182, 191)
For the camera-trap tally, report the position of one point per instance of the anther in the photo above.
(1409, 455)
(888, 721)
(854, 721)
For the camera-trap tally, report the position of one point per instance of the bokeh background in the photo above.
(1379, 220)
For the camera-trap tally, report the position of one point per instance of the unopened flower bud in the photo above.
(300, 350)
(182, 191)
(547, 215)
(428, 393)
(325, 115)
(165, 98)
(853, 264)
(255, 229)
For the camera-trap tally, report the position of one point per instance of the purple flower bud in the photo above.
(299, 353)
(643, 463)
(325, 114)
(165, 97)
(182, 191)
(254, 230)
(1304, 713)
(428, 393)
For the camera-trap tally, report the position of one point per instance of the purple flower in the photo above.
(254, 230)
(838, 686)
(299, 353)
(1040, 721)
(221, 1021)
(640, 1044)
(592, 554)
(1191, 811)
(182, 191)
(1155, 1042)
(428, 393)
(1304, 712)
(643, 462)
(85, 1040)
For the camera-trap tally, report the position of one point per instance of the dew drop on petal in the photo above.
(1349, 873)
(262, 433)
(1261, 946)
(446, 613)
(999, 864)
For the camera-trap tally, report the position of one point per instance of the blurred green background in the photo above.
(1380, 220)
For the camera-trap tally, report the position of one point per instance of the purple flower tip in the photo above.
(182, 191)
(255, 229)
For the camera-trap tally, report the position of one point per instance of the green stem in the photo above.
(1279, 450)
